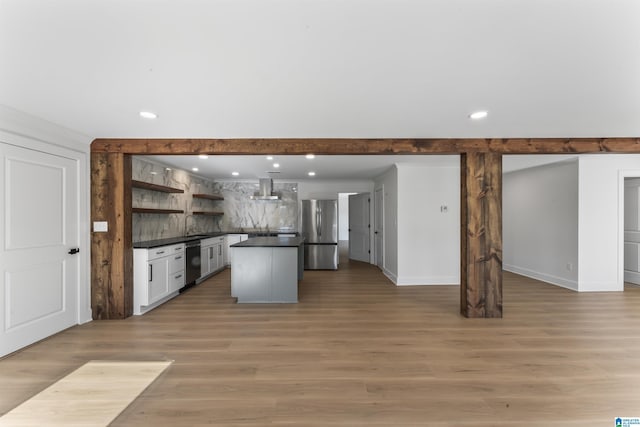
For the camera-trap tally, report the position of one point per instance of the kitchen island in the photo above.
(267, 269)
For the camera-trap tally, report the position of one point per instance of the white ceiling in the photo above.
(297, 167)
(361, 167)
(314, 68)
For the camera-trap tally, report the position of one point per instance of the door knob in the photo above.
(74, 251)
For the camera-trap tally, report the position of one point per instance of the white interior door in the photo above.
(359, 241)
(378, 226)
(38, 276)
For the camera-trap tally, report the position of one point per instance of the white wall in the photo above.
(540, 223)
(27, 131)
(428, 233)
(389, 181)
(329, 189)
(601, 224)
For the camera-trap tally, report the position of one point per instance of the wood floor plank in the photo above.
(358, 351)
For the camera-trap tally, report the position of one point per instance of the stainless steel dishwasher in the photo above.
(192, 262)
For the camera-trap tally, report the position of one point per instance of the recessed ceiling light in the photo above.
(310, 156)
(148, 115)
(194, 169)
(276, 165)
(311, 174)
(269, 157)
(477, 115)
(203, 156)
(235, 173)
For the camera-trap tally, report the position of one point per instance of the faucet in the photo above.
(186, 217)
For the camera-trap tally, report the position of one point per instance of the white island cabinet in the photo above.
(158, 275)
(267, 269)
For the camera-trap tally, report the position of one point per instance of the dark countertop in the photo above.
(175, 240)
(270, 242)
(148, 244)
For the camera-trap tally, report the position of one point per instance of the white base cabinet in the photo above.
(211, 255)
(158, 275)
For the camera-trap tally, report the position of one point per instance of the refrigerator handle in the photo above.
(319, 220)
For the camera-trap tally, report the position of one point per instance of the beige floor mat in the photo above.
(92, 395)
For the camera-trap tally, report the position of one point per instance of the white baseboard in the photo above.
(632, 277)
(142, 309)
(548, 278)
(422, 280)
(391, 276)
(428, 281)
(600, 287)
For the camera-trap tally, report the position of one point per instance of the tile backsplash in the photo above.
(240, 212)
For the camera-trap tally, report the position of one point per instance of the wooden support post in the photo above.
(112, 251)
(481, 235)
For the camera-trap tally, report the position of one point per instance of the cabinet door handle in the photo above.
(219, 250)
(151, 273)
(178, 249)
(210, 253)
(74, 251)
(159, 252)
(178, 276)
(179, 257)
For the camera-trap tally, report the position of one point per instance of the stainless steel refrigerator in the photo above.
(319, 228)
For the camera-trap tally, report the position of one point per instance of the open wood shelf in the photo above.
(155, 187)
(208, 196)
(210, 213)
(156, 211)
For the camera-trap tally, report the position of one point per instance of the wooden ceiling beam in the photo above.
(387, 146)
(481, 201)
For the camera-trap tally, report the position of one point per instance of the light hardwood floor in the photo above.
(359, 351)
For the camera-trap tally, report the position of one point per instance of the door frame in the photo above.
(80, 168)
(55, 147)
(379, 199)
(368, 233)
(622, 175)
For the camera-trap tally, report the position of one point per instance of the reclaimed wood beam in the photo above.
(112, 251)
(343, 146)
(481, 235)
(481, 241)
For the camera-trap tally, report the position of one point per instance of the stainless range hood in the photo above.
(266, 190)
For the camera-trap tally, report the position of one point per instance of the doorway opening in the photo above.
(360, 227)
(629, 229)
(343, 224)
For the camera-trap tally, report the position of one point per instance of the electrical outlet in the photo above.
(100, 226)
(444, 208)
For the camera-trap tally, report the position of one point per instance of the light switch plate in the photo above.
(100, 226)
